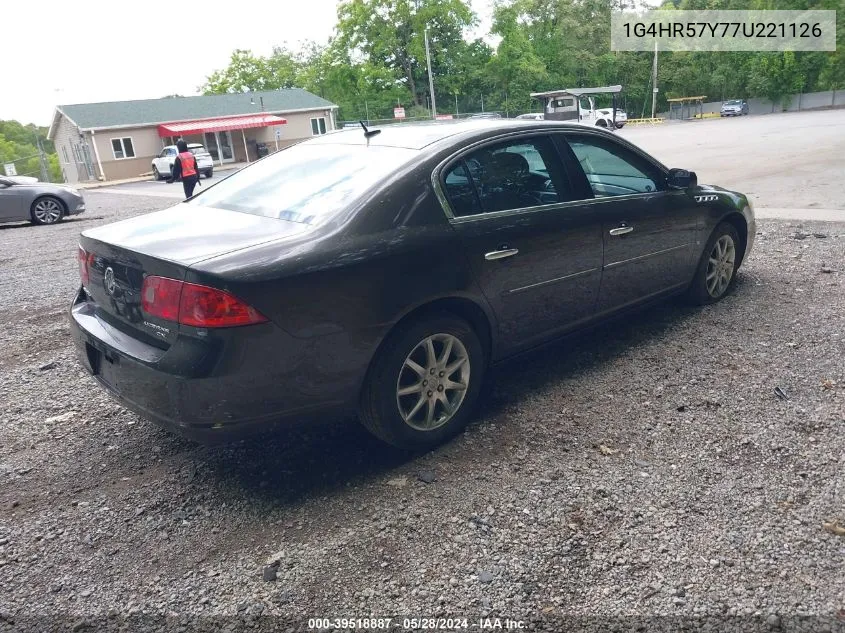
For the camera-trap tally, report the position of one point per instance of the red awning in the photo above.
(219, 125)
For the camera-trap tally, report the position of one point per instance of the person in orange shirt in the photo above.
(185, 169)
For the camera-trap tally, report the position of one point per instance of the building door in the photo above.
(219, 145)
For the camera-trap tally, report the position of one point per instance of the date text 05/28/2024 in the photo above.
(417, 624)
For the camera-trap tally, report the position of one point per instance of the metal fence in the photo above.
(444, 116)
(792, 103)
(34, 165)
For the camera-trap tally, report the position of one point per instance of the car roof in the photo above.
(422, 134)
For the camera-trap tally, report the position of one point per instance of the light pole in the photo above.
(430, 77)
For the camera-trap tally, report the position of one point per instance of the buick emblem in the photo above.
(108, 280)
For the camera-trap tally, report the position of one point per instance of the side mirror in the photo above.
(682, 179)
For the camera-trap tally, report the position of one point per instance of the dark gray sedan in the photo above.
(24, 198)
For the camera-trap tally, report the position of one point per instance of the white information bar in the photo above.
(753, 30)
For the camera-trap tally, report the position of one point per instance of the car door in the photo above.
(11, 201)
(158, 163)
(536, 254)
(649, 230)
(164, 163)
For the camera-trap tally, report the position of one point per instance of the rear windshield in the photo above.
(197, 149)
(304, 183)
(734, 103)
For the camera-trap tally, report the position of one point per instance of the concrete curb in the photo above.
(144, 177)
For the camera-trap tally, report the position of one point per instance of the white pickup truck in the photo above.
(602, 117)
(574, 105)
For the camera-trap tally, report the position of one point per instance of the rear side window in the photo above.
(510, 175)
(305, 183)
(614, 170)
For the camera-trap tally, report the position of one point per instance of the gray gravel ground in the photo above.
(647, 469)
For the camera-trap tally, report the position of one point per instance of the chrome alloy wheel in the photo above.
(433, 382)
(720, 267)
(47, 211)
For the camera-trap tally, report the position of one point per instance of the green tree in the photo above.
(390, 33)
(18, 144)
(249, 73)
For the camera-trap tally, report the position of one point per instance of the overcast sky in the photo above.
(58, 52)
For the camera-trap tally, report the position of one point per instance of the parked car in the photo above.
(485, 115)
(736, 107)
(603, 117)
(533, 116)
(26, 198)
(384, 271)
(163, 163)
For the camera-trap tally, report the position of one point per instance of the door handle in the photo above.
(507, 252)
(621, 230)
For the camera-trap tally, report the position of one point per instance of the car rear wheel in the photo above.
(716, 273)
(47, 210)
(424, 385)
(601, 123)
(209, 173)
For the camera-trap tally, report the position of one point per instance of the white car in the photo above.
(534, 116)
(163, 163)
(603, 117)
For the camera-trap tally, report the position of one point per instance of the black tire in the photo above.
(379, 407)
(156, 174)
(38, 216)
(209, 173)
(601, 123)
(698, 293)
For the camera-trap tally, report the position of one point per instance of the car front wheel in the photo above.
(716, 273)
(47, 210)
(424, 385)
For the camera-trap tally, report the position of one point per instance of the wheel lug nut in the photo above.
(431, 371)
(425, 383)
(430, 394)
(442, 373)
(439, 387)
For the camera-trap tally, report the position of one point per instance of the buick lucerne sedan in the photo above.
(384, 271)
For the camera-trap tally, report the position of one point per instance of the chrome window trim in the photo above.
(460, 154)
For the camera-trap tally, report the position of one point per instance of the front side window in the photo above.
(613, 170)
(122, 148)
(318, 126)
(305, 183)
(506, 176)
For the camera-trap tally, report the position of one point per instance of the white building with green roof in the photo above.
(119, 139)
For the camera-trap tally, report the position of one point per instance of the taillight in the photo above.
(85, 260)
(207, 307)
(160, 297)
(195, 305)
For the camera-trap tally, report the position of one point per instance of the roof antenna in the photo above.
(369, 133)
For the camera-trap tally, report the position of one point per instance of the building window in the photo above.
(122, 148)
(64, 153)
(318, 126)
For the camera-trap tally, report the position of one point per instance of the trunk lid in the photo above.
(167, 244)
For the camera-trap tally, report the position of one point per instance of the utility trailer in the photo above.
(579, 104)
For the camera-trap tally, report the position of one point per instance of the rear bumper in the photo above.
(213, 393)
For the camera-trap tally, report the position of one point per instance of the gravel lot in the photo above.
(646, 469)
